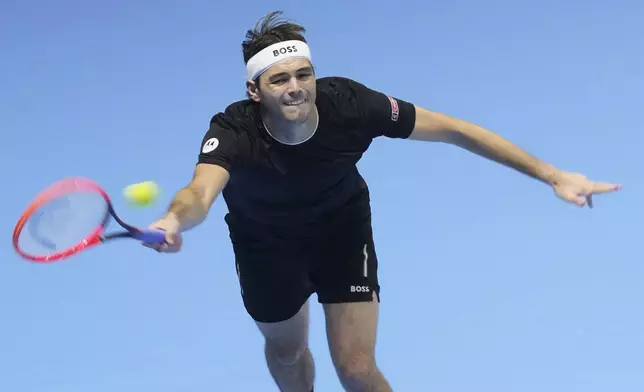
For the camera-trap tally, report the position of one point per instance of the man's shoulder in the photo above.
(336, 85)
(344, 91)
(340, 98)
(241, 115)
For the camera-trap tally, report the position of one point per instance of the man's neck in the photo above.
(291, 132)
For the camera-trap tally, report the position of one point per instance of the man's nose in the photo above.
(293, 86)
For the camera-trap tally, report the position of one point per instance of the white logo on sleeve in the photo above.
(210, 145)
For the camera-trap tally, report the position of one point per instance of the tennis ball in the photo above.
(141, 194)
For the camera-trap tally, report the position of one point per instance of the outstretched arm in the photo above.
(191, 204)
(438, 127)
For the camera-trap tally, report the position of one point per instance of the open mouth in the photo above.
(295, 103)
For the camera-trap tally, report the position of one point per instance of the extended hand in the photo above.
(173, 240)
(577, 189)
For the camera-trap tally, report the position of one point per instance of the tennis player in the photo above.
(299, 211)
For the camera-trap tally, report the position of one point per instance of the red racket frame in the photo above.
(50, 193)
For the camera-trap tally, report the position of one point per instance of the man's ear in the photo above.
(252, 90)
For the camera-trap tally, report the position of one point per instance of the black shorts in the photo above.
(337, 261)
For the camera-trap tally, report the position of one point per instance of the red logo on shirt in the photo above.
(394, 109)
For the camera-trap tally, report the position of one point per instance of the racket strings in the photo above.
(63, 222)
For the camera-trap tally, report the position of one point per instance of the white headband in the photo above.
(267, 57)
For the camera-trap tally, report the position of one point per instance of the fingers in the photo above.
(580, 191)
(164, 248)
(578, 200)
(604, 187)
(599, 188)
(172, 243)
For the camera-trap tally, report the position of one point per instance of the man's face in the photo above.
(287, 89)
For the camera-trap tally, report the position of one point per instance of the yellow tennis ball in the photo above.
(141, 194)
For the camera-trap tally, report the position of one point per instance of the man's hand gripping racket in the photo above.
(171, 227)
(72, 215)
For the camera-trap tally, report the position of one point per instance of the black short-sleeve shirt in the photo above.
(277, 185)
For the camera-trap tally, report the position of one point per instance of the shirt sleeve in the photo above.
(381, 114)
(220, 145)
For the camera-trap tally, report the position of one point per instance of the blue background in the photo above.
(490, 283)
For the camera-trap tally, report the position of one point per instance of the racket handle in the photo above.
(150, 236)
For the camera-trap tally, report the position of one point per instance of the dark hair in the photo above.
(268, 31)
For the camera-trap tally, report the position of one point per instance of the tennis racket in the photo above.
(68, 217)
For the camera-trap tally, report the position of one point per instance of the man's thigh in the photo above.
(346, 279)
(346, 263)
(351, 333)
(288, 338)
(274, 282)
